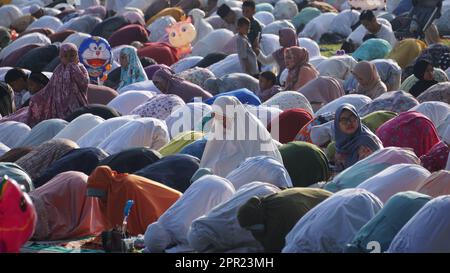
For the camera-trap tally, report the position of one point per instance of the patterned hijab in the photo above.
(134, 72)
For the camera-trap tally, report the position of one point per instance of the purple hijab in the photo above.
(151, 69)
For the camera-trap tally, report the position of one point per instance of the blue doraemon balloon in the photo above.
(95, 54)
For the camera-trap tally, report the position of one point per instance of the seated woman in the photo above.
(219, 229)
(300, 70)
(168, 83)
(169, 233)
(151, 199)
(331, 224)
(236, 135)
(63, 209)
(426, 231)
(65, 92)
(354, 141)
(369, 82)
(423, 70)
(132, 70)
(270, 218)
(267, 86)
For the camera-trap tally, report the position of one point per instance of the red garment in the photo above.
(409, 130)
(128, 34)
(288, 124)
(436, 158)
(17, 217)
(162, 53)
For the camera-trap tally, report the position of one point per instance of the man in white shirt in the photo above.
(381, 31)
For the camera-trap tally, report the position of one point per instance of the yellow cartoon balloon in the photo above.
(181, 35)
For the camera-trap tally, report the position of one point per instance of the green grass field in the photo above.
(329, 50)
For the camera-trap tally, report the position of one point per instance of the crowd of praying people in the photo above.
(247, 139)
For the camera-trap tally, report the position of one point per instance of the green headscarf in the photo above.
(179, 142)
(272, 217)
(305, 163)
(5, 37)
(377, 118)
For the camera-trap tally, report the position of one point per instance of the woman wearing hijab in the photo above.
(402, 131)
(288, 100)
(395, 101)
(285, 127)
(43, 132)
(369, 82)
(287, 39)
(328, 227)
(13, 132)
(300, 70)
(219, 229)
(131, 68)
(236, 135)
(79, 126)
(201, 26)
(158, 106)
(437, 184)
(128, 34)
(42, 156)
(271, 218)
(436, 158)
(99, 110)
(127, 101)
(170, 231)
(354, 141)
(180, 141)
(63, 209)
(18, 174)
(423, 70)
(14, 154)
(168, 83)
(142, 132)
(7, 105)
(321, 91)
(131, 160)
(426, 231)
(151, 199)
(174, 171)
(162, 53)
(397, 211)
(98, 94)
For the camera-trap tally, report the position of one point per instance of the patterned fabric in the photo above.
(402, 131)
(159, 106)
(289, 99)
(305, 133)
(439, 76)
(134, 71)
(197, 75)
(438, 92)
(395, 101)
(436, 158)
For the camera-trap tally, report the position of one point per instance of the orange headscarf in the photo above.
(151, 199)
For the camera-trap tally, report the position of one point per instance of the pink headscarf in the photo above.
(303, 71)
(288, 38)
(64, 209)
(99, 11)
(65, 92)
(322, 91)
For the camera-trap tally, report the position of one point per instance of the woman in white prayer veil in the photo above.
(220, 231)
(169, 233)
(260, 168)
(236, 134)
(202, 27)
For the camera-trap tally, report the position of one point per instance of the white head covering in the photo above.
(97, 134)
(288, 100)
(264, 17)
(318, 26)
(358, 101)
(311, 46)
(215, 41)
(338, 67)
(140, 86)
(50, 22)
(329, 226)
(186, 117)
(77, 38)
(219, 230)
(12, 132)
(285, 9)
(43, 131)
(172, 227)
(223, 151)
(126, 102)
(3, 149)
(436, 111)
(276, 26)
(9, 13)
(31, 38)
(158, 27)
(426, 231)
(185, 63)
(202, 27)
(260, 168)
(79, 126)
(395, 179)
(226, 66)
(264, 113)
(443, 128)
(142, 132)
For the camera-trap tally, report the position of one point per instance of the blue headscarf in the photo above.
(244, 95)
(349, 144)
(134, 72)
